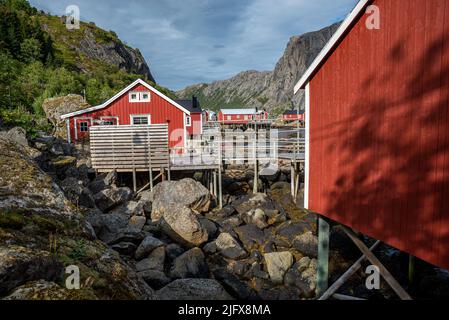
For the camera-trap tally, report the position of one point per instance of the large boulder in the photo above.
(185, 192)
(16, 135)
(108, 227)
(19, 265)
(24, 185)
(190, 264)
(54, 108)
(110, 198)
(229, 247)
(183, 226)
(193, 289)
(277, 265)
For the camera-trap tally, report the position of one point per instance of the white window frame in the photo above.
(139, 97)
(132, 116)
(188, 120)
(147, 99)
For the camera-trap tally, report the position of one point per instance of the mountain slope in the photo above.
(40, 58)
(91, 48)
(272, 90)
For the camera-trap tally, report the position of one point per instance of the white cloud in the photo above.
(190, 41)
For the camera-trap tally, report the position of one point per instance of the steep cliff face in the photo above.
(91, 49)
(272, 90)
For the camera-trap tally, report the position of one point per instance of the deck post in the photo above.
(220, 192)
(150, 173)
(411, 269)
(134, 180)
(292, 180)
(215, 183)
(323, 257)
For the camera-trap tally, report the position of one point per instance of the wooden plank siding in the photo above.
(127, 147)
(379, 129)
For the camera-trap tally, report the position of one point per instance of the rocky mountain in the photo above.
(272, 90)
(91, 48)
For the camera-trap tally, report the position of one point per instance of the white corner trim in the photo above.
(307, 148)
(67, 123)
(118, 95)
(341, 31)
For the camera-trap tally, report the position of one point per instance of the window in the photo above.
(139, 96)
(188, 121)
(84, 127)
(246, 117)
(107, 123)
(140, 120)
(229, 118)
(144, 96)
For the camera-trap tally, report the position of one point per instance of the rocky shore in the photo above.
(172, 243)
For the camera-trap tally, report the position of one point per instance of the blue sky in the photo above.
(191, 41)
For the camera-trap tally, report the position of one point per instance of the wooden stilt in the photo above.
(292, 180)
(164, 177)
(340, 281)
(134, 180)
(295, 196)
(220, 192)
(215, 183)
(151, 179)
(256, 177)
(211, 183)
(323, 256)
(411, 269)
(373, 259)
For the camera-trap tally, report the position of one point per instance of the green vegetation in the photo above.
(37, 61)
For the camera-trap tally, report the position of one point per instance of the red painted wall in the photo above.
(240, 118)
(293, 117)
(160, 110)
(379, 129)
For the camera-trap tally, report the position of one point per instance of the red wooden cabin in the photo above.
(293, 115)
(241, 116)
(377, 126)
(139, 104)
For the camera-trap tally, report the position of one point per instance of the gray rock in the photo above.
(303, 276)
(209, 226)
(136, 223)
(185, 192)
(19, 265)
(306, 243)
(111, 178)
(191, 264)
(173, 251)
(39, 290)
(229, 247)
(210, 248)
(251, 236)
(108, 226)
(155, 261)
(277, 265)
(256, 217)
(147, 246)
(109, 198)
(77, 193)
(124, 248)
(193, 289)
(156, 279)
(183, 226)
(16, 135)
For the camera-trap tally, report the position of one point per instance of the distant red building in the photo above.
(139, 104)
(241, 116)
(293, 115)
(377, 126)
